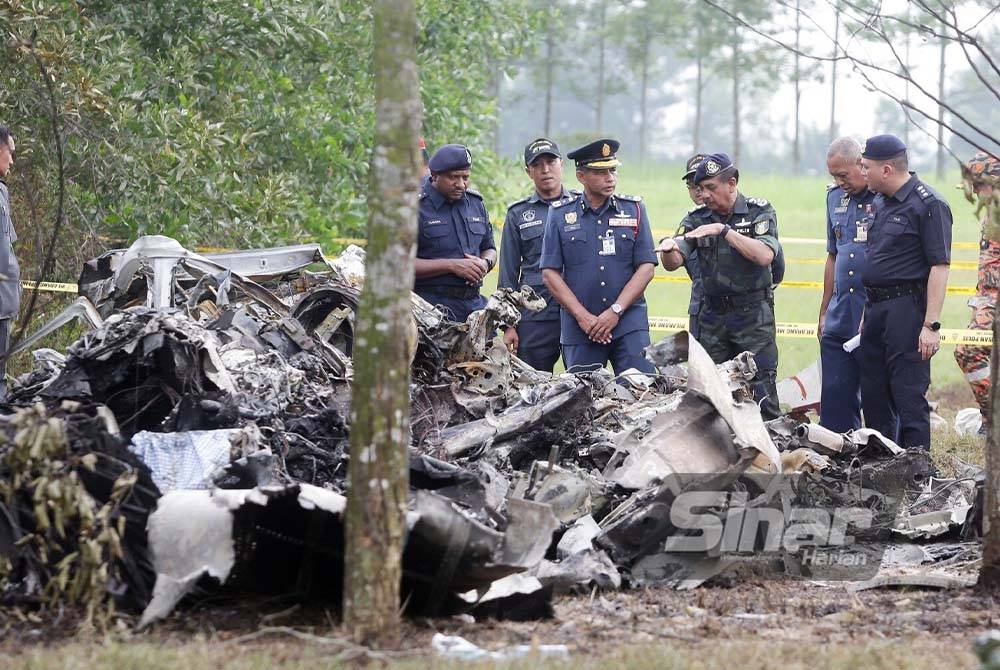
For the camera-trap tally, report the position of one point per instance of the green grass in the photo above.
(799, 202)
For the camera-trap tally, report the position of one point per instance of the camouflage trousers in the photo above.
(726, 333)
(974, 360)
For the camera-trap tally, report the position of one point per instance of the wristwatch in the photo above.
(933, 325)
(725, 231)
(617, 309)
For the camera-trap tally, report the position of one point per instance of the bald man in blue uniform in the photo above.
(597, 259)
(909, 253)
(455, 245)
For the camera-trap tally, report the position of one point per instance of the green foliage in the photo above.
(230, 123)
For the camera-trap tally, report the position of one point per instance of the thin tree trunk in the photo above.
(833, 75)
(384, 340)
(599, 115)
(699, 85)
(736, 96)
(989, 573)
(940, 126)
(644, 95)
(796, 147)
(550, 53)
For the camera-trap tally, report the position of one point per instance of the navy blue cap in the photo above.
(598, 155)
(883, 147)
(713, 166)
(692, 165)
(540, 147)
(450, 157)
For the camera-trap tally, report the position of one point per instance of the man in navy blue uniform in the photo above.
(10, 286)
(848, 202)
(536, 338)
(455, 246)
(691, 263)
(909, 252)
(597, 258)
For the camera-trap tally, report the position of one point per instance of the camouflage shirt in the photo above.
(724, 270)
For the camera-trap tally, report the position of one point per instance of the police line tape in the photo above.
(57, 287)
(807, 330)
(684, 279)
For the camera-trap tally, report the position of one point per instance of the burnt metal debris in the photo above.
(196, 436)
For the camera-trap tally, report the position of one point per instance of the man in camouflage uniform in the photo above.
(981, 177)
(736, 239)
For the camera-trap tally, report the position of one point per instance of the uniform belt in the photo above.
(880, 293)
(460, 292)
(724, 303)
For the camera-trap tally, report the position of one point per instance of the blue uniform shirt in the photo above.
(521, 249)
(847, 239)
(910, 232)
(451, 230)
(10, 288)
(597, 252)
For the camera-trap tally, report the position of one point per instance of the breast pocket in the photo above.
(898, 226)
(576, 247)
(531, 232)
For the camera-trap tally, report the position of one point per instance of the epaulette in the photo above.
(519, 202)
(925, 194)
(830, 187)
(696, 208)
(423, 194)
(563, 203)
(574, 191)
(632, 198)
(760, 202)
(472, 191)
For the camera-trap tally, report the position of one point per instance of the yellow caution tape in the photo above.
(349, 240)
(808, 330)
(681, 279)
(57, 287)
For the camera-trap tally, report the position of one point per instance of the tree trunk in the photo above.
(796, 146)
(833, 74)
(384, 340)
(736, 96)
(989, 573)
(644, 94)
(698, 86)
(940, 125)
(550, 71)
(599, 101)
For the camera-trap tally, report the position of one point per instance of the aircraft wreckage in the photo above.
(196, 435)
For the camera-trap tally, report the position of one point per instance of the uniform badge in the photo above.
(761, 227)
(711, 168)
(570, 217)
(605, 150)
(843, 201)
(838, 233)
(528, 215)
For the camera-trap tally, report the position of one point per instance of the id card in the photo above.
(607, 246)
(862, 231)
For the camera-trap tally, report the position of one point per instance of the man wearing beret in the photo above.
(597, 258)
(455, 246)
(909, 251)
(736, 240)
(981, 180)
(848, 201)
(536, 338)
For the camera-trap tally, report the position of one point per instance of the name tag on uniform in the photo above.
(573, 226)
(530, 224)
(615, 221)
(862, 231)
(433, 222)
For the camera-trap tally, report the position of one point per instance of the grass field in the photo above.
(799, 202)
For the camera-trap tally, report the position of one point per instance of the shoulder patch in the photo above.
(760, 202)
(474, 192)
(567, 201)
(631, 198)
(517, 202)
(762, 226)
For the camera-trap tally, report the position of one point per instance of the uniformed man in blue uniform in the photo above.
(909, 252)
(536, 338)
(736, 240)
(455, 246)
(10, 285)
(597, 258)
(691, 263)
(848, 202)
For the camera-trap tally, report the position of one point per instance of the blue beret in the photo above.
(883, 147)
(598, 155)
(450, 157)
(713, 166)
